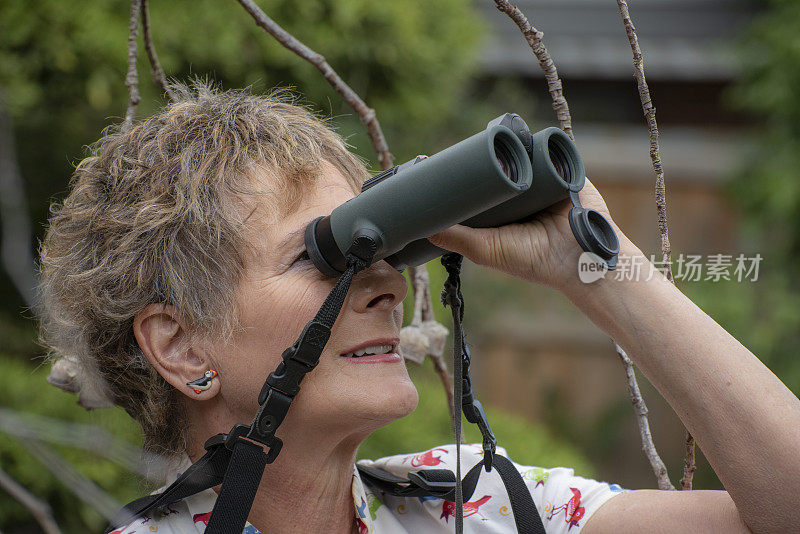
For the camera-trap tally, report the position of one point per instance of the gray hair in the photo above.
(150, 218)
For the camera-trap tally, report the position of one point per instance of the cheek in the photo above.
(398, 315)
(275, 311)
(271, 315)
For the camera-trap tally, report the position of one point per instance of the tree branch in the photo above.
(660, 191)
(365, 113)
(640, 408)
(132, 78)
(534, 38)
(39, 509)
(16, 252)
(158, 72)
(689, 466)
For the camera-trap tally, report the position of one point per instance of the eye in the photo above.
(302, 257)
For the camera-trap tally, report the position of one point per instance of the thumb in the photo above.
(479, 245)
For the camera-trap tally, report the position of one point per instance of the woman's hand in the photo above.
(543, 251)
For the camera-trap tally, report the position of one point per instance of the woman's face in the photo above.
(280, 292)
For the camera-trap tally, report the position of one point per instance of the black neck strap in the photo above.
(248, 459)
(462, 383)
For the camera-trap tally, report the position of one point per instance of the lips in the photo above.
(375, 347)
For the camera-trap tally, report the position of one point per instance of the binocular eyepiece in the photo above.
(501, 175)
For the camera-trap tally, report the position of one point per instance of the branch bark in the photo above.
(132, 78)
(16, 252)
(689, 466)
(39, 509)
(365, 113)
(640, 408)
(649, 111)
(158, 72)
(534, 38)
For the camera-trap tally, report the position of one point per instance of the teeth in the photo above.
(375, 349)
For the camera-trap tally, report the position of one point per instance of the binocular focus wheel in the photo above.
(594, 234)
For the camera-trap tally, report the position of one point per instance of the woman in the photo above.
(175, 274)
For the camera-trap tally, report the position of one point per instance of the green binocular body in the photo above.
(501, 175)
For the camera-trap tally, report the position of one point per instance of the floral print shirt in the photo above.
(564, 501)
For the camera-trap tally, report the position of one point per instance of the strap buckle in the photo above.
(474, 412)
(267, 420)
(436, 482)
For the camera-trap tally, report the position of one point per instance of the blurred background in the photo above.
(724, 76)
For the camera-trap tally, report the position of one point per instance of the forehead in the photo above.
(322, 194)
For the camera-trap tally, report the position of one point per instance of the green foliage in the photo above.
(768, 188)
(430, 426)
(764, 316)
(24, 389)
(63, 65)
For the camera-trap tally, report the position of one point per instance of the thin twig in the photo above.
(365, 113)
(650, 114)
(38, 508)
(689, 466)
(132, 78)
(554, 85)
(158, 72)
(660, 191)
(659, 469)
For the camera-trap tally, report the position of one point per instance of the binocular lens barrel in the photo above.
(424, 196)
(557, 167)
(506, 161)
(560, 160)
(499, 176)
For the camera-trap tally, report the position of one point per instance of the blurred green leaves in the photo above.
(764, 315)
(406, 59)
(24, 389)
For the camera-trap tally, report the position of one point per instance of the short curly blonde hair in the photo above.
(150, 218)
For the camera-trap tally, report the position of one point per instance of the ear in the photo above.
(166, 341)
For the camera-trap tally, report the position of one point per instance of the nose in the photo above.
(379, 288)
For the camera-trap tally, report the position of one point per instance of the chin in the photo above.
(382, 402)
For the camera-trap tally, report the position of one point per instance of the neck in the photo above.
(309, 486)
(307, 489)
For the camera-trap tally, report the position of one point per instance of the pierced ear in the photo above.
(166, 341)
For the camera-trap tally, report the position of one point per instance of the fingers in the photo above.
(476, 244)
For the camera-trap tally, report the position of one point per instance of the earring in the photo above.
(202, 384)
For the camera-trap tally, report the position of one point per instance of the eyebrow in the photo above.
(293, 235)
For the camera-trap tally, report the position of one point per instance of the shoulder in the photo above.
(563, 500)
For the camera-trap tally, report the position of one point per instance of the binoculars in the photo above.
(501, 175)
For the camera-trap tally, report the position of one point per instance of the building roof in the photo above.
(680, 39)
